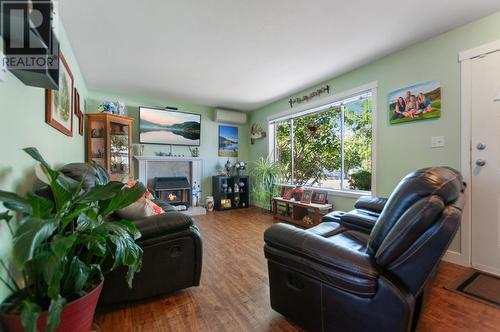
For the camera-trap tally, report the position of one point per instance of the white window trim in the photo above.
(314, 106)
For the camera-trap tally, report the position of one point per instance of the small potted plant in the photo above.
(240, 168)
(298, 191)
(62, 242)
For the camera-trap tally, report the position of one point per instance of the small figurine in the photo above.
(228, 167)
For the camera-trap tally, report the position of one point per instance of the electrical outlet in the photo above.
(437, 142)
(3, 67)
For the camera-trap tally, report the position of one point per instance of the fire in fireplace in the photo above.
(173, 190)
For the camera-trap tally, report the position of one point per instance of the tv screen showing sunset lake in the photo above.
(158, 126)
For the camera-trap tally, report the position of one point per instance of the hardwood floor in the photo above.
(234, 292)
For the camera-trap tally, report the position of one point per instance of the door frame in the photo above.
(464, 257)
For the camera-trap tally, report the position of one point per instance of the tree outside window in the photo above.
(329, 149)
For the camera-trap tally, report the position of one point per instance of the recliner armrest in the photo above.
(324, 259)
(371, 203)
(164, 223)
(360, 220)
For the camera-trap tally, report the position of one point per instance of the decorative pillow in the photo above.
(142, 208)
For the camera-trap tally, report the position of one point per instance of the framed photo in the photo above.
(416, 102)
(228, 141)
(287, 193)
(59, 105)
(306, 196)
(319, 197)
(168, 127)
(78, 112)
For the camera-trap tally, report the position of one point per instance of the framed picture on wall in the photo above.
(228, 141)
(59, 104)
(415, 102)
(78, 112)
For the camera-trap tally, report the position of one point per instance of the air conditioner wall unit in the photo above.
(227, 116)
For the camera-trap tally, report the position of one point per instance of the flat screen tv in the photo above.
(157, 126)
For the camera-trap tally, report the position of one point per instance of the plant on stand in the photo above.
(61, 245)
(266, 174)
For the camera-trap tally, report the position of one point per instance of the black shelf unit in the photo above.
(239, 200)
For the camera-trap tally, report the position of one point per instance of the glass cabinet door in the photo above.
(97, 142)
(120, 157)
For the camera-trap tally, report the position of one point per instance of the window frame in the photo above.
(318, 105)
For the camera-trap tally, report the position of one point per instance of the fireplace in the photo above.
(173, 190)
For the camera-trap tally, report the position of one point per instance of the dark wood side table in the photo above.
(298, 213)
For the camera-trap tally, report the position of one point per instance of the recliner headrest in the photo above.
(443, 182)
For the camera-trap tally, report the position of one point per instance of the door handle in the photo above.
(480, 162)
(481, 146)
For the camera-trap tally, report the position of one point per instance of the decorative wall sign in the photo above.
(60, 103)
(315, 93)
(416, 102)
(256, 133)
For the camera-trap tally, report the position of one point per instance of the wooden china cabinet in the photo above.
(109, 143)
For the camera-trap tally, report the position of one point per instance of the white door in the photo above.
(485, 163)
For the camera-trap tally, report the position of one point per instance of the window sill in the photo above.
(347, 193)
(336, 192)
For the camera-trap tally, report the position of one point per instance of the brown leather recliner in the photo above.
(334, 278)
(171, 244)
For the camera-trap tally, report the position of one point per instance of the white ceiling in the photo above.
(243, 54)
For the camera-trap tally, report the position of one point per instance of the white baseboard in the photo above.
(456, 257)
(487, 269)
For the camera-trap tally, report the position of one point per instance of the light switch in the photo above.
(437, 142)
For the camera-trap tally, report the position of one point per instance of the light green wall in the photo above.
(209, 131)
(22, 124)
(406, 147)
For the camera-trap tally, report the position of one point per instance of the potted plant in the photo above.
(61, 246)
(265, 175)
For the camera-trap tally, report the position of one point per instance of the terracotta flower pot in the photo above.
(297, 193)
(77, 315)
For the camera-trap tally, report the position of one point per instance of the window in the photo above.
(327, 147)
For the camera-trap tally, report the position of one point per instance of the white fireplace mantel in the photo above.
(166, 158)
(157, 166)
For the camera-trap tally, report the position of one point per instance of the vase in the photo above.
(209, 203)
(77, 316)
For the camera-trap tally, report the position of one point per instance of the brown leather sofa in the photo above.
(336, 277)
(171, 243)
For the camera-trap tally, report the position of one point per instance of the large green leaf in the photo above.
(61, 244)
(15, 202)
(29, 315)
(51, 268)
(132, 229)
(63, 191)
(79, 274)
(99, 193)
(30, 234)
(76, 211)
(124, 198)
(127, 253)
(96, 244)
(40, 206)
(54, 313)
(33, 152)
